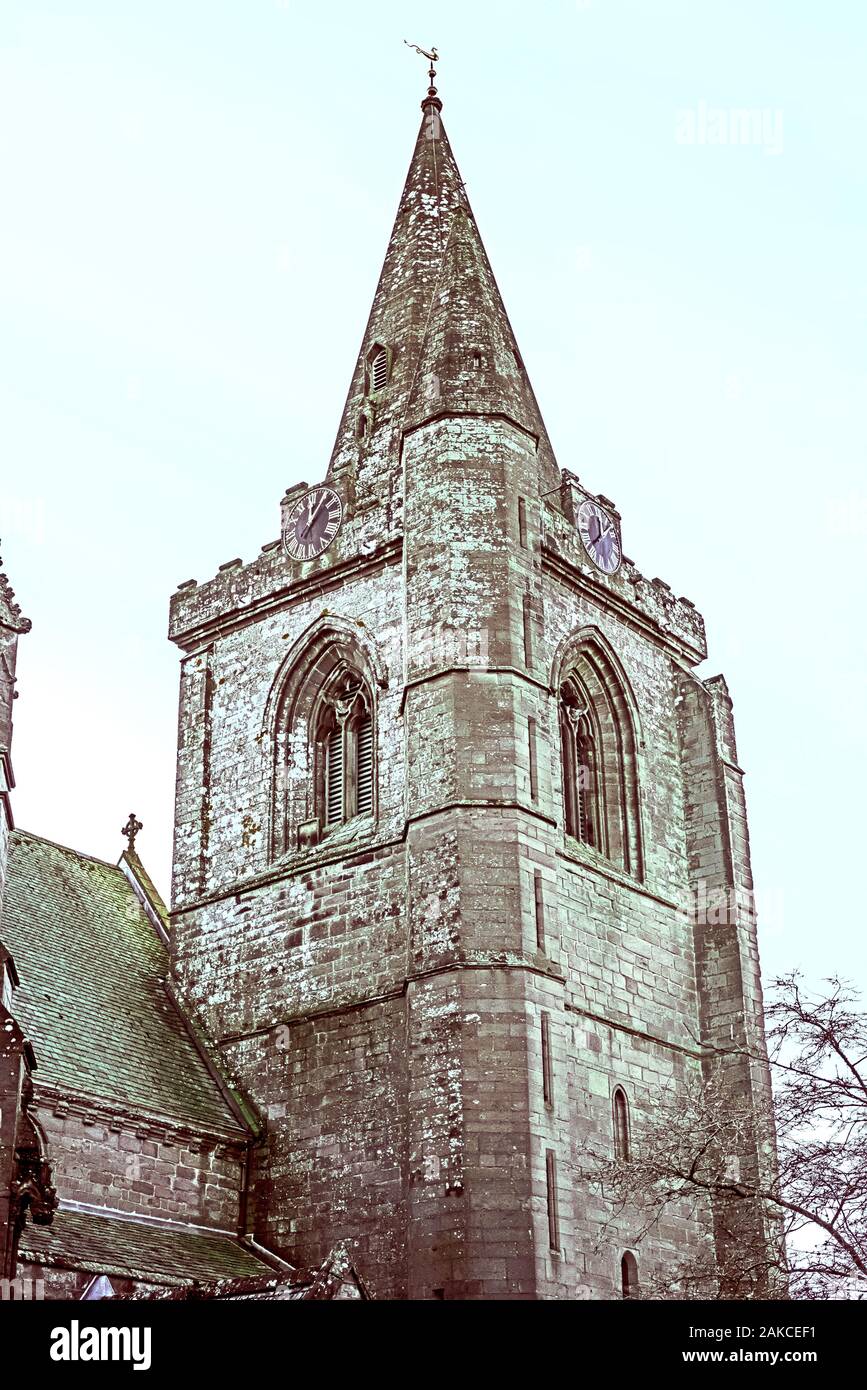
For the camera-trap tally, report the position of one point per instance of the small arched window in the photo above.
(377, 372)
(620, 1107)
(600, 782)
(629, 1275)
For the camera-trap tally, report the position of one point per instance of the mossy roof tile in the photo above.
(92, 999)
(111, 1245)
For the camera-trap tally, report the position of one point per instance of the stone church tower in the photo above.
(447, 783)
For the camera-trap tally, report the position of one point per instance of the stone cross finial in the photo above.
(130, 830)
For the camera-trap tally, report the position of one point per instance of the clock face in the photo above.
(312, 523)
(600, 536)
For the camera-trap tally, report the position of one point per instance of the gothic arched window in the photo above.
(600, 782)
(324, 739)
(629, 1275)
(620, 1106)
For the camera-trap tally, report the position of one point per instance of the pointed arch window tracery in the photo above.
(601, 808)
(580, 765)
(324, 742)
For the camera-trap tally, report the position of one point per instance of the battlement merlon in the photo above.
(239, 594)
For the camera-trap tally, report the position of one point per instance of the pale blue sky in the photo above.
(196, 202)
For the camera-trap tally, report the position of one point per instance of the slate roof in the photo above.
(337, 1278)
(166, 1255)
(93, 1000)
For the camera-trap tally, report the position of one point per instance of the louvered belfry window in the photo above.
(580, 769)
(334, 782)
(346, 780)
(378, 370)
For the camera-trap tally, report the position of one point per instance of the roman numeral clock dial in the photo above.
(312, 524)
(600, 536)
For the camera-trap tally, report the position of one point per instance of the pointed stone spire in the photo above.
(469, 361)
(439, 315)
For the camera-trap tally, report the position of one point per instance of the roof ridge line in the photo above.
(143, 1219)
(67, 849)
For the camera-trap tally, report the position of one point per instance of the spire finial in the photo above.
(130, 830)
(433, 57)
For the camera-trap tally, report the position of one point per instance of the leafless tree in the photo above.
(797, 1223)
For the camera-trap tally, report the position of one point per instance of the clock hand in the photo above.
(312, 514)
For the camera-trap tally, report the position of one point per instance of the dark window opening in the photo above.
(528, 631)
(553, 1214)
(534, 776)
(629, 1275)
(547, 1068)
(522, 522)
(621, 1126)
(539, 905)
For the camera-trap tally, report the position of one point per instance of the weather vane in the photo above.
(432, 55)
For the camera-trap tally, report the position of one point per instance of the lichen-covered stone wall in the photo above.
(379, 991)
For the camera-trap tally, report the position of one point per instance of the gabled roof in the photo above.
(150, 1254)
(93, 998)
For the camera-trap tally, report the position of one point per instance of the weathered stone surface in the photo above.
(379, 991)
